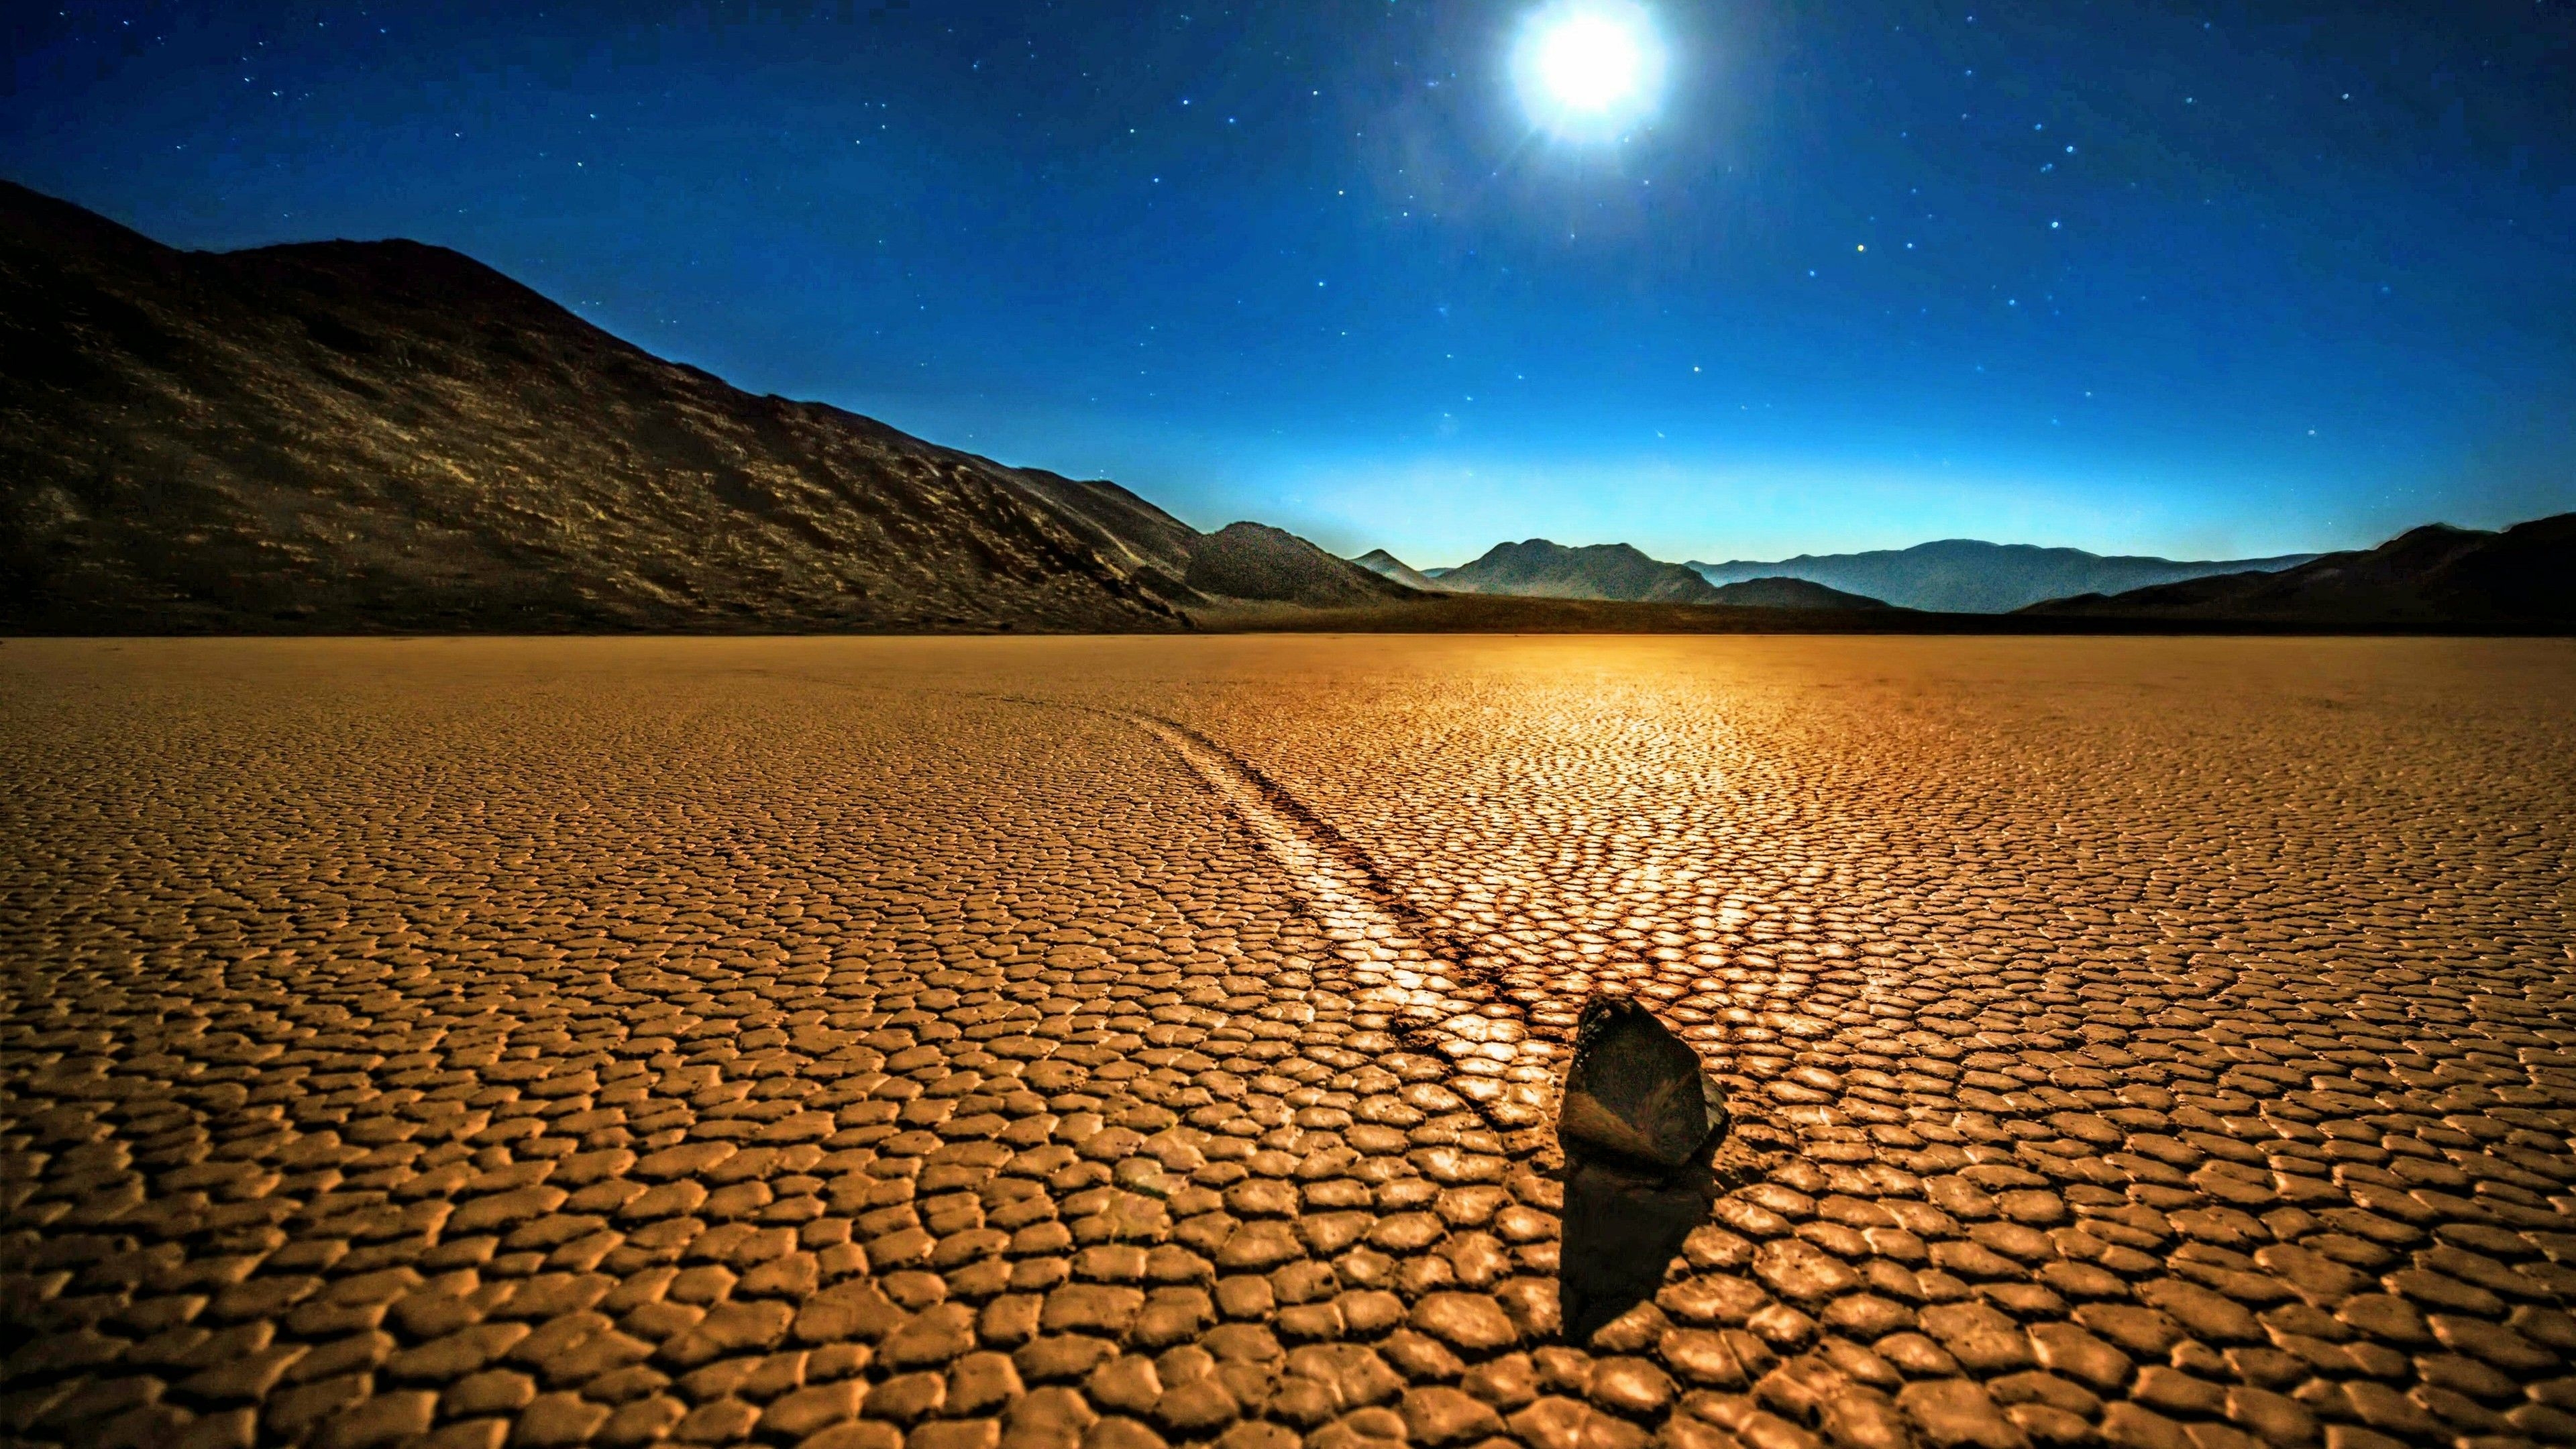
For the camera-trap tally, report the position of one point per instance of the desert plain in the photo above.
(1109, 1043)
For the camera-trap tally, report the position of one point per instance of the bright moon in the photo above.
(1588, 65)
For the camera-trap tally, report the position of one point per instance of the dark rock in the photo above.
(1634, 1090)
(1637, 1120)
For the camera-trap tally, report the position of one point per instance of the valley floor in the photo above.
(1135, 1041)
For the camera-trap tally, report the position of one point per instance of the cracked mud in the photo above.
(1103, 1044)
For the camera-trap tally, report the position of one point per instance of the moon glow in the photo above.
(1589, 67)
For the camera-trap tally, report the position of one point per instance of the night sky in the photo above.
(2195, 280)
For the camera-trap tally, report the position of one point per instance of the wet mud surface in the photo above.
(1110, 1043)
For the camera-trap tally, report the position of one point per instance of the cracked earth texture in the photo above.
(1103, 1044)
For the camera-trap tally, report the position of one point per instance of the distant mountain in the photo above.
(1538, 568)
(1387, 566)
(386, 435)
(1778, 593)
(1965, 576)
(1271, 565)
(2437, 575)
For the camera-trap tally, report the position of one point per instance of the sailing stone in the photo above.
(1635, 1090)
(1636, 1120)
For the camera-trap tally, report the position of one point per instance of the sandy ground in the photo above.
(1121, 1042)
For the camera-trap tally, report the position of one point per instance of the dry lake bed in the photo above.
(1130, 1042)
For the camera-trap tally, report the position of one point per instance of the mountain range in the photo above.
(1968, 576)
(1540, 569)
(348, 436)
(2435, 575)
(387, 435)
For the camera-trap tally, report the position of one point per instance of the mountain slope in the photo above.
(1254, 561)
(1387, 566)
(1779, 593)
(1540, 569)
(1967, 576)
(389, 435)
(2435, 575)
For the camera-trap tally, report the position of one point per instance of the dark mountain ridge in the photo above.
(388, 435)
(1537, 568)
(2437, 575)
(1782, 593)
(1970, 576)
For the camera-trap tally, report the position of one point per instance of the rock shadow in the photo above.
(1637, 1120)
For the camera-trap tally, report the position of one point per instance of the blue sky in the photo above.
(2139, 278)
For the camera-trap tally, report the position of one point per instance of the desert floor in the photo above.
(1122, 1042)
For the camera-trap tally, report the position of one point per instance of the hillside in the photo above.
(1967, 576)
(386, 435)
(1540, 569)
(1253, 561)
(2437, 575)
(1387, 566)
(1779, 593)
